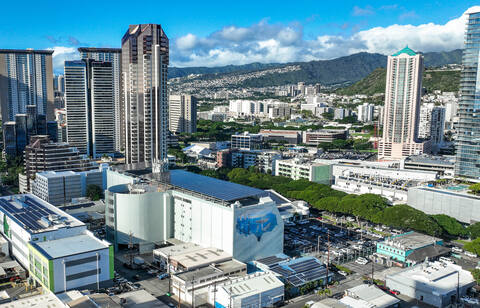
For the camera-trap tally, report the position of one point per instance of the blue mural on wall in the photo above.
(256, 222)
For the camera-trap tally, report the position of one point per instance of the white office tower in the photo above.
(301, 88)
(182, 113)
(432, 124)
(365, 112)
(26, 78)
(90, 107)
(402, 106)
(144, 70)
(114, 56)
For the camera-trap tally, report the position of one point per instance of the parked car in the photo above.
(394, 292)
(470, 254)
(361, 261)
(456, 249)
(162, 276)
(343, 273)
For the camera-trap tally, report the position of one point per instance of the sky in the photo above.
(217, 33)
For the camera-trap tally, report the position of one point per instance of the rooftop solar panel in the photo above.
(223, 190)
(271, 260)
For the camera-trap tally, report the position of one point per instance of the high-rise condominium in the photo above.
(182, 113)
(402, 106)
(89, 101)
(468, 140)
(144, 68)
(114, 56)
(26, 78)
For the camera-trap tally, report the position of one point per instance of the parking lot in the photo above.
(365, 269)
(314, 236)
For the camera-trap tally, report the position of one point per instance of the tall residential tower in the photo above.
(89, 100)
(468, 139)
(26, 78)
(145, 57)
(114, 56)
(402, 106)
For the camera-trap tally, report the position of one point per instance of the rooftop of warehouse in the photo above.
(433, 160)
(201, 257)
(373, 295)
(442, 278)
(69, 246)
(252, 284)
(36, 215)
(214, 269)
(410, 240)
(212, 187)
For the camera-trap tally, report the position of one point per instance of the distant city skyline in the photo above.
(215, 34)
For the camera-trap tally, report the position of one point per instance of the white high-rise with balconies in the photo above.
(402, 106)
(182, 113)
(26, 78)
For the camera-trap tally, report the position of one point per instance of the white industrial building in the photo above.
(242, 221)
(60, 187)
(390, 183)
(193, 287)
(300, 168)
(435, 283)
(57, 249)
(261, 289)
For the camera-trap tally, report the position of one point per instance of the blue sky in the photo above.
(214, 33)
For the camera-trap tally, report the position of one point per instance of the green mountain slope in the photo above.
(446, 81)
(340, 71)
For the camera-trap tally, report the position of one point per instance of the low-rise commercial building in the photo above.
(62, 187)
(57, 249)
(288, 136)
(453, 201)
(193, 287)
(392, 184)
(366, 295)
(261, 289)
(43, 155)
(437, 284)
(324, 135)
(404, 246)
(246, 141)
(298, 168)
(444, 166)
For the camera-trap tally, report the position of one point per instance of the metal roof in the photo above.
(212, 187)
(69, 246)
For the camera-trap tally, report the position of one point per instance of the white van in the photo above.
(446, 260)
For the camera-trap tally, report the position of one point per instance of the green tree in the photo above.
(94, 192)
(475, 188)
(450, 225)
(474, 230)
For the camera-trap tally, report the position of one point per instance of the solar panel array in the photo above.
(223, 190)
(301, 272)
(29, 214)
(272, 260)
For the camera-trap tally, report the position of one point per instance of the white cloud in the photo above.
(367, 11)
(62, 54)
(264, 42)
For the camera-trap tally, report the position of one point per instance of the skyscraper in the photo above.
(26, 78)
(182, 113)
(432, 124)
(402, 106)
(114, 56)
(89, 101)
(468, 139)
(145, 52)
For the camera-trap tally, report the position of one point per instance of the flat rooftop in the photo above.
(373, 295)
(217, 269)
(431, 160)
(440, 277)
(212, 187)
(410, 240)
(301, 270)
(178, 249)
(139, 299)
(35, 215)
(201, 257)
(252, 284)
(69, 246)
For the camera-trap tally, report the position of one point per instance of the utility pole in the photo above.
(214, 292)
(372, 274)
(328, 257)
(458, 286)
(193, 292)
(130, 247)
